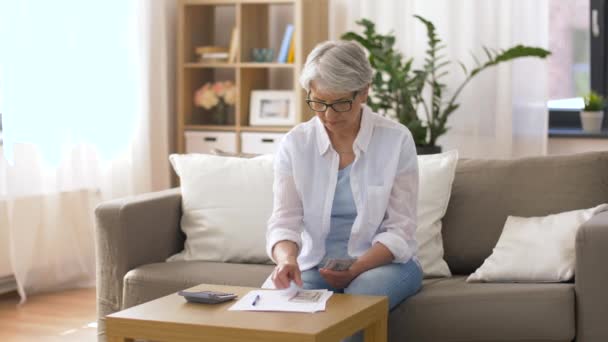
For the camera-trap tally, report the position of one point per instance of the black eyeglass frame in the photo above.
(327, 105)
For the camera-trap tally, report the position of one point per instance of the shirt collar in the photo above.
(363, 137)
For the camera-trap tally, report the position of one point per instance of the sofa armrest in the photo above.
(130, 232)
(591, 280)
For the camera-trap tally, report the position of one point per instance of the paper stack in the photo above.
(292, 299)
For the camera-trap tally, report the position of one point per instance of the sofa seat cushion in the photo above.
(152, 281)
(450, 309)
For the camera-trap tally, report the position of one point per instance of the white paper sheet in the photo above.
(281, 300)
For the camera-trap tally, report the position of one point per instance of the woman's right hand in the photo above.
(285, 272)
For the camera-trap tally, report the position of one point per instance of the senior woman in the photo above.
(346, 186)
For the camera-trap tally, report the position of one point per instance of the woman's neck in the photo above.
(344, 140)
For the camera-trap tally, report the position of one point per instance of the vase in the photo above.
(220, 114)
(592, 121)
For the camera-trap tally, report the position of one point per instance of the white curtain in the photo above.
(503, 110)
(85, 93)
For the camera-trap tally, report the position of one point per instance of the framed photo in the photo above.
(272, 108)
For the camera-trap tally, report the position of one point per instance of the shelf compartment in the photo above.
(261, 79)
(195, 79)
(263, 26)
(206, 25)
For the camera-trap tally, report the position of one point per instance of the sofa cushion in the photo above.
(451, 309)
(547, 240)
(226, 203)
(152, 281)
(486, 192)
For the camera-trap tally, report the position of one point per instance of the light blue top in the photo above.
(343, 214)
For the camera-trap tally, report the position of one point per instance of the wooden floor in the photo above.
(63, 316)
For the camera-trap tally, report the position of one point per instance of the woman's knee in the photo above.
(386, 280)
(368, 283)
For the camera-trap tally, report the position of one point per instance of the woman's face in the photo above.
(339, 122)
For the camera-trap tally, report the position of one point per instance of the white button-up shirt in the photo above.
(384, 183)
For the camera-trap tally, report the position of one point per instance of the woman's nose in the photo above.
(331, 113)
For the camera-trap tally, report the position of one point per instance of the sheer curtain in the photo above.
(503, 110)
(85, 92)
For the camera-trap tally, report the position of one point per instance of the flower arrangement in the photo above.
(216, 96)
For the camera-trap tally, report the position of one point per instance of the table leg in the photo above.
(377, 331)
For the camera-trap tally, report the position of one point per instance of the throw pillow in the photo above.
(436, 174)
(535, 249)
(218, 152)
(226, 202)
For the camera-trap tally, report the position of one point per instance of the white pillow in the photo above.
(436, 174)
(535, 249)
(226, 202)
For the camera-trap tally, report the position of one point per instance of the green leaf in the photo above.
(488, 54)
(464, 68)
(477, 63)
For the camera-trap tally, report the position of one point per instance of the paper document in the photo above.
(292, 299)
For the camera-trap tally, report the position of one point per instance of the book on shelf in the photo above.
(214, 55)
(291, 54)
(209, 53)
(233, 45)
(284, 50)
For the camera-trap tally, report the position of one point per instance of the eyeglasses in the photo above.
(339, 106)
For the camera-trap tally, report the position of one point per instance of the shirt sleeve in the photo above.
(398, 229)
(286, 221)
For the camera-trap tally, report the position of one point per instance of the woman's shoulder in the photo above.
(383, 121)
(387, 125)
(301, 133)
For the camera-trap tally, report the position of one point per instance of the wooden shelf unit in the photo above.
(210, 22)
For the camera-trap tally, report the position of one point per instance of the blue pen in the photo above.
(255, 300)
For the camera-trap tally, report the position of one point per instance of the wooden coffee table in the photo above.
(171, 318)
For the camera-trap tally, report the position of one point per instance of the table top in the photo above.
(174, 310)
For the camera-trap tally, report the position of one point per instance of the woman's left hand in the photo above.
(337, 279)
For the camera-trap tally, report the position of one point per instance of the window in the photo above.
(70, 74)
(577, 40)
(569, 43)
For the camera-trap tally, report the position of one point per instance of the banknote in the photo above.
(304, 296)
(339, 264)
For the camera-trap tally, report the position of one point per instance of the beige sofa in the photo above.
(135, 235)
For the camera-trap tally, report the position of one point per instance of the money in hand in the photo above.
(339, 264)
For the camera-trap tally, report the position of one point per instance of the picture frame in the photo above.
(272, 108)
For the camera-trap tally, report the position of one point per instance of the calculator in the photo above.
(207, 297)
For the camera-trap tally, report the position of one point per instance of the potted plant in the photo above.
(397, 88)
(592, 114)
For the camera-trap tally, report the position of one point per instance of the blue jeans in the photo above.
(397, 281)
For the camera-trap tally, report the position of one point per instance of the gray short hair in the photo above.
(337, 66)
